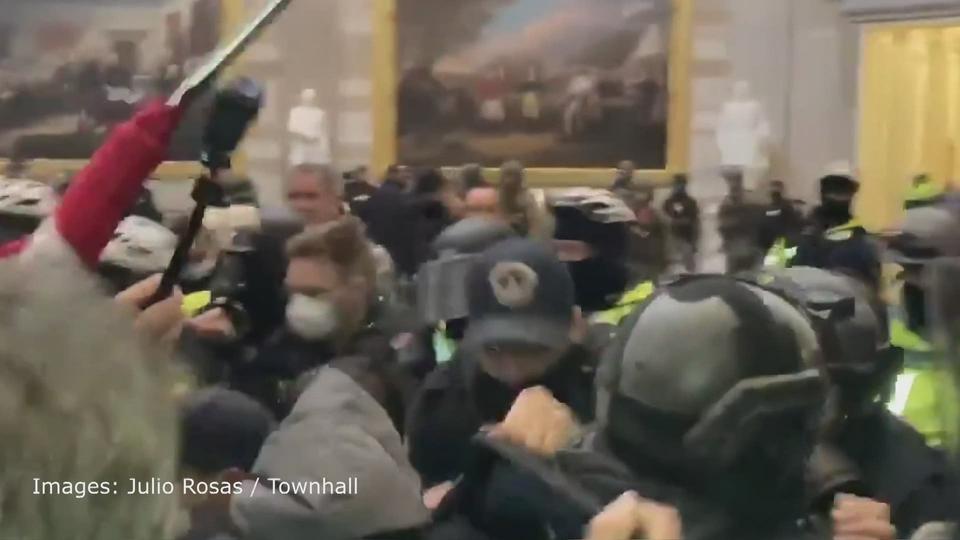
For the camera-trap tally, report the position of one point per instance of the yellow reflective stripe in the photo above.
(443, 347)
(194, 303)
(848, 226)
(907, 339)
(780, 255)
(901, 393)
(625, 306)
(776, 257)
(924, 191)
(843, 232)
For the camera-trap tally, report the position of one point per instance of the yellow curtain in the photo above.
(909, 115)
(384, 85)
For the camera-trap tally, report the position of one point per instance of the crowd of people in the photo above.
(456, 358)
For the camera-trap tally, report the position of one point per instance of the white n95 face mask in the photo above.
(311, 318)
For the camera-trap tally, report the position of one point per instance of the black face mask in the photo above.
(836, 212)
(915, 304)
(493, 399)
(599, 283)
(776, 197)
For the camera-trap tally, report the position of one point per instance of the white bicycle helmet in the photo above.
(598, 205)
(26, 198)
(140, 245)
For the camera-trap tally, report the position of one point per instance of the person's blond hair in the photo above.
(344, 243)
(82, 399)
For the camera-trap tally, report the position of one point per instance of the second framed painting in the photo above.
(568, 87)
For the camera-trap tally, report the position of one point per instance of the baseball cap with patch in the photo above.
(519, 293)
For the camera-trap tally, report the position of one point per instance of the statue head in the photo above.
(308, 96)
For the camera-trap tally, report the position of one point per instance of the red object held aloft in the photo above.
(108, 186)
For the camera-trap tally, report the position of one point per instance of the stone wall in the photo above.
(800, 59)
(324, 45)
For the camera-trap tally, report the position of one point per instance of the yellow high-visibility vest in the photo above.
(780, 254)
(625, 306)
(194, 303)
(923, 395)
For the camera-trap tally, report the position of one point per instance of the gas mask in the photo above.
(311, 318)
(836, 211)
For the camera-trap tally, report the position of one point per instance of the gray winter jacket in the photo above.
(336, 433)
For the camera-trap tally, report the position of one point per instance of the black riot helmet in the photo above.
(851, 324)
(716, 379)
(927, 233)
(600, 221)
(441, 282)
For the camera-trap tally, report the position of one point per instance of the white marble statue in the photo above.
(309, 133)
(743, 134)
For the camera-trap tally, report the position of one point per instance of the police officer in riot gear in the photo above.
(592, 236)
(871, 452)
(442, 294)
(521, 331)
(835, 239)
(675, 411)
(928, 233)
(719, 423)
(596, 235)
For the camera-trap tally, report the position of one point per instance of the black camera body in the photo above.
(234, 109)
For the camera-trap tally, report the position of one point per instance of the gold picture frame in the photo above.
(385, 77)
(233, 17)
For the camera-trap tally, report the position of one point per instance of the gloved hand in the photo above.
(631, 516)
(856, 518)
(537, 422)
(162, 321)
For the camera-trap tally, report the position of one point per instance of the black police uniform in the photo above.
(684, 214)
(646, 442)
(458, 398)
(518, 294)
(899, 468)
(847, 247)
(391, 218)
(739, 224)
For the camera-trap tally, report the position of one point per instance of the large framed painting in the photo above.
(71, 69)
(568, 87)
